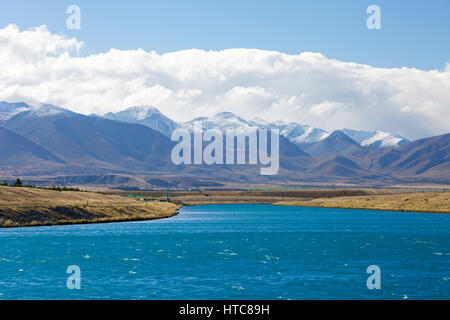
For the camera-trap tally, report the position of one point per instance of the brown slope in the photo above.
(424, 157)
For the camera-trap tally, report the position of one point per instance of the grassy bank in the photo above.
(394, 200)
(247, 196)
(34, 207)
(418, 201)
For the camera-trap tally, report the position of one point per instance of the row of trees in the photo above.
(19, 183)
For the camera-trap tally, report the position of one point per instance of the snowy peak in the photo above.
(230, 119)
(48, 110)
(25, 111)
(222, 121)
(295, 132)
(7, 110)
(227, 115)
(146, 115)
(336, 143)
(137, 113)
(302, 134)
(376, 139)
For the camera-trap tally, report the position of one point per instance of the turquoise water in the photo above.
(234, 252)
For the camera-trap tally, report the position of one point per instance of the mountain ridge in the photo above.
(50, 140)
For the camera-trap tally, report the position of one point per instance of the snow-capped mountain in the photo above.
(47, 110)
(145, 115)
(335, 143)
(228, 120)
(7, 110)
(300, 134)
(377, 139)
(222, 121)
(294, 132)
(86, 142)
(304, 134)
(25, 111)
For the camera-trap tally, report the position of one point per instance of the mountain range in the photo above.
(50, 144)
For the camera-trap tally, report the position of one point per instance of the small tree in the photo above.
(18, 183)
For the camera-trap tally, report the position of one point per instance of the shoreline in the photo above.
(423, 202)
(427, 202)
(280, 203)
(356, 208)
(132, 219)
(29, 207)
(85, 222)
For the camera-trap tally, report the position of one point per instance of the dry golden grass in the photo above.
(29, 206)
(418, 201)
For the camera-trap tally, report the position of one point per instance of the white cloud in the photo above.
(326, 107)
(38, 66)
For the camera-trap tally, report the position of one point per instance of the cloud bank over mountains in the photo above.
(38, 66)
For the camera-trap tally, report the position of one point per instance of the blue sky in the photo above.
(414, 33)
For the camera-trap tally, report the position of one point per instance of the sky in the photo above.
(315, 62)
(413, 34)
